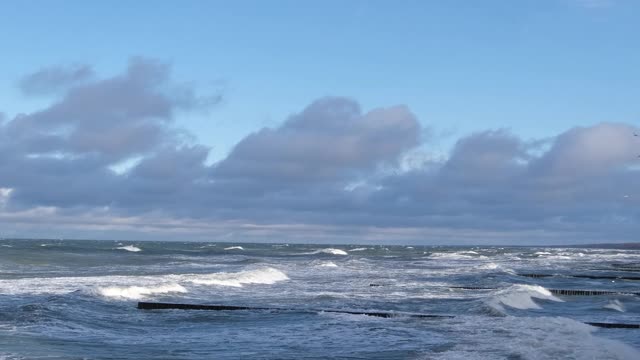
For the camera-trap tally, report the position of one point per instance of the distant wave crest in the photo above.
(129, 248)
(520, 296)
(139, 292)
(258, 276)
(330, 251)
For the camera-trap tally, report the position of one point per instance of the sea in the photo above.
(72, 299)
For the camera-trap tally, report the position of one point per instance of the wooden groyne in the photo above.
(565, 292)
(582, 276)
(159, 306)
(383, 314)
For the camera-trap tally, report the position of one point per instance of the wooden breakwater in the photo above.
(383, 314)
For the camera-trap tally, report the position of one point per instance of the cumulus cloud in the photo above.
(328, 172)
(329, 140)
(62, 155)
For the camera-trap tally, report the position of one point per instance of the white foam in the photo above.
(542, 253)
(358, 249)
(139, 292)
(493, 266)
(331, 251)
(615, 305)
(234, 248)
(538, 338)
(520, 296)
(259, 276)
(328, 264)
(463, 255)
(489, 266)
(129, 248)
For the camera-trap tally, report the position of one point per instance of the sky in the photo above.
(395, 122)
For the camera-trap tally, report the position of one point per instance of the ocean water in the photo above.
(77, 300)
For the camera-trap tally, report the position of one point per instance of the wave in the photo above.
(331, 251)
(328, 264)
(520, 296)
(462, 255)
(542, 253)
(234, 248)
(494, 266)
(139, 292)
(129, 248)
(615, 305)
(259, 276)
(359, 249)
(546, 337)
(135, 287)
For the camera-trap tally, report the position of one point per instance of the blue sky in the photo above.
(536, 68)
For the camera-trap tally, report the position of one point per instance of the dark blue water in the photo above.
(77, 300)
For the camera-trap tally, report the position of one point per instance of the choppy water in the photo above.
(77, 300)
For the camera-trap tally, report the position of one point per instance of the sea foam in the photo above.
(139, 292)
(331, 251)
(615, 305)
(129, 248)
(328, 264)
(520, 296)
(258, 276)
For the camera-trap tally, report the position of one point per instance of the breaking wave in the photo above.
(129, 248)
(234, 248)
(331, 251)
(139, 292)
(534, 338)
(462, 255)
(259, 276)
(328, 264)
(520, 296)
(615, 305)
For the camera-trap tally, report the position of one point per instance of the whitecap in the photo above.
(331, 251)
(520, 296)
(359, 249)
(454, 256)
(234, 248)
(139, 292)
(259, 276)
(129, 248)
(328, 264)
(615, 305)
(513, 337)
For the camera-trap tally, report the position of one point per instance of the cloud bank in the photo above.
(106, 160)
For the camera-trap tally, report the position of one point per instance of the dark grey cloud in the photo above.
(116, 118)
(55, 78)
(63, 155)
(331, 170)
